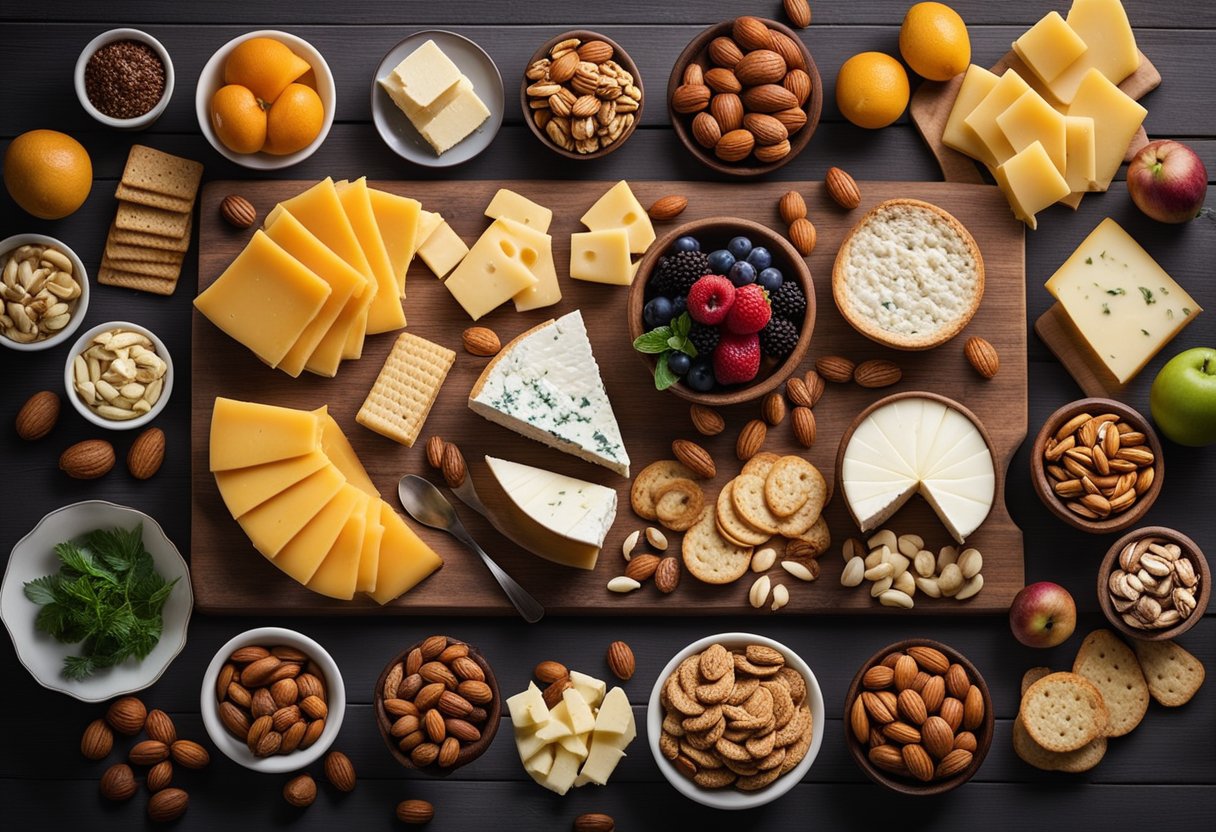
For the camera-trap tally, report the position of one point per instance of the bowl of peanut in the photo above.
(118, 375)
(45, 290)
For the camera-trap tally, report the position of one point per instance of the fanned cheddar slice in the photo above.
(339, 571)
(385, 313)
(338, 448)
(249, 433)
(244, 489)
(304, 552)
(404, 559)
(275, 522)
(369, 552)
(398, 218)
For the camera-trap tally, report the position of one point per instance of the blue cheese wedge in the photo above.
(546, 385)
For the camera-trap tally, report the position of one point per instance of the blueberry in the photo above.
(760, 257)
(721, 261)
(679, 306)
(742, 273)
(770, 279)
(657, 312)
(740, 247)
(686, 244)
(678, 362)
(701, 375)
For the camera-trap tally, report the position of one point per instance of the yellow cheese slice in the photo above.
(404, 559)
(385, 313)
(249, 433)
(1116, 117)
(428, 221)
(546, 292)
(1049, 46)
(321, 212)
(344, 338)
(247, 488)
(443, 250)
(1081, 171)
(977, 83)
(264, 299)
(1031, 119)
(344, 283)
(491, 274)
(338, 573)
(601, 257)
(509, 205)
(619, 208)
(275, 522)
(1031, 183)
(304, 552)
(1008, 89)
(369, 550)
(338, 448)
(1112, 50)
(397, 217)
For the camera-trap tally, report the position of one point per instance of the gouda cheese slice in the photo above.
(249, 433)
(404, 559)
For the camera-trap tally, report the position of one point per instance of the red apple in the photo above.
(1167, 181)
(1042, 615)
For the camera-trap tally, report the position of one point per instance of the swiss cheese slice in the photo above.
(250, 433)
(539, 245)
(404, 559)
(338, 573)
(301, 556)
(385, 313)
(491, 274)
(275, 522)
(243, 489)
(601, 257)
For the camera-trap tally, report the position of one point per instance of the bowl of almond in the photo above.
(1154, 584)
(918, 718)
(745, 96)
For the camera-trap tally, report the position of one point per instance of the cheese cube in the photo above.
(581, 718)
(507, 204)
(442, 250)
(615, 716)
(589, 687)
(529, 744)
(959, 135)
(487, 278)
(422, 116)
(575, 744)
(1116, 117)
(982, 119)
(599, 765)
(1124, 305)
(464, 114)
(426, 73)
(1031, 119)
(1049, 47)
(528, 707)
(1080, 171)
(561, 775)
(540, 763)
(1103, 26)
(558, 725)
(619, 208)
(1031, 183)
(601, 257)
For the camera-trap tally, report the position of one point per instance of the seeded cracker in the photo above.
(406, 388)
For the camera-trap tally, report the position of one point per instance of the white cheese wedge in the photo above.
(600, 763)
(615, 717)
(529, 744)
(563, 772)
(582, 720)
(576, 743)
(558, 725)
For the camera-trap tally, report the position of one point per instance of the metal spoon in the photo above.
(426, 504)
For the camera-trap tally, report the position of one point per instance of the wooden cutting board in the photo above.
(230, 577)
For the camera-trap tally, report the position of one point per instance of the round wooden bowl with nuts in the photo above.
(437, 705)
(926, 714)
(566, 78)
(1093, 480)
(745, 96)
(1148, 573)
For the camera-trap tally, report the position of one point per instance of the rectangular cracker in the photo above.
(142, 254)
(1112, 667)
(152, 199)
(1172, 673)
(162, 173)
(132, 217)
(166, 271)
(139, 238)
(405, 390)
(138, 282)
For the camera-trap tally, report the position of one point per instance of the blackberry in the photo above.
(677, 272)
(704, 337)
(789, 302)
(778, 339)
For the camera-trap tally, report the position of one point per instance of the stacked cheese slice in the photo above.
(580, 740)
(619, 228)
(327, 269)
(912, 445)
(1057, 125)
(437, 98)
(294, 484)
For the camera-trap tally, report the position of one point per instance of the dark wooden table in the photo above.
(1163, 773)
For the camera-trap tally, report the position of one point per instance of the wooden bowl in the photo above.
(785, 257)
(697, 52)
(1190, 550)
(470, 751)
(619, 55)
(1043, 482)
(909, 786)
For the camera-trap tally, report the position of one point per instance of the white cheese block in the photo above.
(528, 743)
(558, 725)
(576, 744)
(589, 687)
(507, 204)
(615, 717)
(563, 772)
(546, 385)
(600, 764)
(582, 720)
(619, 208)
(528, 707)
(540, 763)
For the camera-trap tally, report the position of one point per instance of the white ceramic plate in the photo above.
(34, 556)
(397, 131)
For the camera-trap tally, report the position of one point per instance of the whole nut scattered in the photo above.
(127, 715)
(159, 776)
(621, 661)
(97, 740)
(188, 754)
(37, 417)
(803, 235)
(415, 812)
(667, 207)
(550, 671)
(480, 341)
(773, 408)
(791, 207)
(167, 805)
(594, 822)
(38, 293)
(118, 783)
(339, 771)
(300, 791)
(842, 188)
(250, 711)
(983, 356)
(1171, 592)
(695, 457)
(798, 11)
(751, 439)
(803, 420)
(159, 726)
(581, 98)
(434, 452)
(835, 368)
(238, 211)
(877, 372)
(667, 575)
(454, 469)
(706, 420)
(87, 460)
(146, 454)
(1098, 466)
(119, 375)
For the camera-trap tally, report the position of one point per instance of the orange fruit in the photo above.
(265, 66)
(48, 173)
(933, 40)
(872, 89)
(294, 120)
(238, 119)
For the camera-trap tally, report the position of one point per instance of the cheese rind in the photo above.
(959, 135)
(1116, 118)
(619, 208)
(250, 433)
(601, 257)
(1049, 46)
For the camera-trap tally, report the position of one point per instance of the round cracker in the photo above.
(1063, 712)
(732, 525)
(678, 503)
(652, 477)
(1073, 762)
(748, 499)
(711, 558)
(805, 517)
(791, 483)
(760, 464)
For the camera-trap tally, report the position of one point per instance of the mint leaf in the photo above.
(663, 376)
(682, 325)
(654, 341)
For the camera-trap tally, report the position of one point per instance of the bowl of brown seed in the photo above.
(124, 79)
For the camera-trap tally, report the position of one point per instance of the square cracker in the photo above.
(1112, 667)
(132, 217)
(138, 282)
(405, 390)
(142, 254)
(152, 199)
(167, 271)
(139, 238)
(162, 173)
(1173, 674)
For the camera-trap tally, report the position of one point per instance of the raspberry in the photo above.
(737, 358)
(750, 312)
(778, 339)
(710, 298)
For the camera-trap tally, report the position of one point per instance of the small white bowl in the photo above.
(69, 386)
(238, 751)
(728, 798)
(34, 556)
(212, 78)
(82, 303)
(139, 122)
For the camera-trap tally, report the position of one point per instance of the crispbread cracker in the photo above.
(760, 464)
(167, 271)
(162, 173)
(790, 483)
(817, 536)
(711, 558)
(1111, 665)
(138, 282)
(1064, 712)
(678, 503)
(132, 217)
(749, 502)
(139, 238)
(732, 525)
(1073, 762)
(1033, 675)
(1173, 675)
(405, 389)
(651, 478)
(152, 199)
(142, 254)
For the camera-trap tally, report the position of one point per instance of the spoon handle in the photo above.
(528, 607)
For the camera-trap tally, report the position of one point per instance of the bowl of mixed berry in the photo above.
(721, 311)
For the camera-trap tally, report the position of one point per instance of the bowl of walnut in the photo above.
(745, 96)
(582, 95)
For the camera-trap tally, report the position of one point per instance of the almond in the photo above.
(146, 454)
(468, 669)
(425, 754)
(438, 672)
(901, 732)
(954, 762)
(234, 720)
(641, 567)
(38, 416)
(750, 440)
(167, 805)
(667, 575)
(91, 458)
(937, 737)
(905, 672)
(878, 677)
(966, 741)
(876, 708)
(973, 708)
(770, 153)
(793, 118)
(798, 392)
(160, 727)
(951, 711)
(761, 66)
(706, 420)
(957, 682)
(725, 52)
(453, 704)
(475, 691)
(799, 83)
(706, 130)
(481, 341)
(454, 470)
(563, 67)
(449, 751)
(798, 11)
(835, 368)
(621, 661)
(694, 74)
(877, 372)
(248, 654)
(313, 707)
(97, 740)
(788, 48)
(595, 52)
(690, 98)
(339, 771)
(189, 754)
(462, 730)
(887, 758)
(415, 812)
(148, 753)
(118, 783)
(300, 791)
(434, 451)
(668, 207)
(594, 822)
(918, 762)
(127, 715)
(727, 110)
(814, 386)
(769, 98)
(238, 211)
(765, 128)
(311, 685)
(285, 692)
(842, 188)
(912, 707)
(791, 207)
(258, 673)
(750, 33)
(933, 693)
(553, 693)
(773, 408)
(803, 235)
(315, 729)
(859, 721)
(721, 79)
(695, 457)
(549, 672)
(930, 659)
(983, 356)
(433, 724)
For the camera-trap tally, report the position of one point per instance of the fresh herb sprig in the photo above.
(107, 597)
(663, 340)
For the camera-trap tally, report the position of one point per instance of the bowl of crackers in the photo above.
(919, 718)
(735, 720)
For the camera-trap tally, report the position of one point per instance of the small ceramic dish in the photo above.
(77, 307)
(69, 377)
(33, 556)
(114, 35)
(1200, 591)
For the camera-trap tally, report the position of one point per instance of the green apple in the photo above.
(1183, 398)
